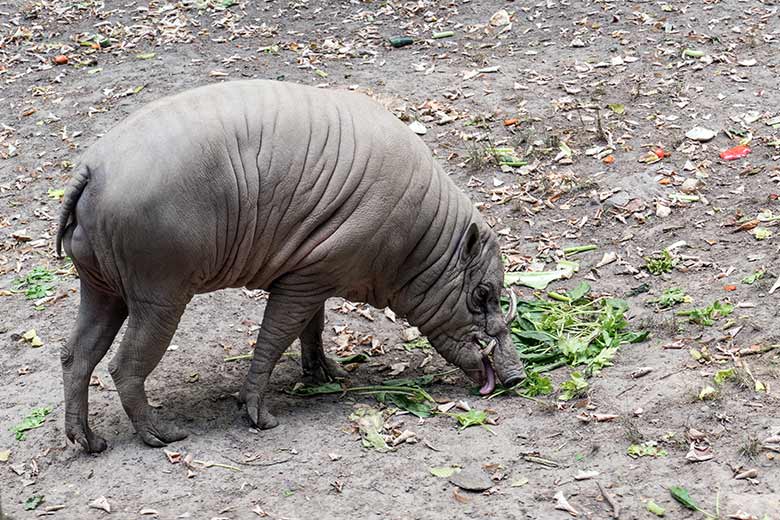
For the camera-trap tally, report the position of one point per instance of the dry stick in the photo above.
(262, 464)
(670, 374)
(540, 460)
(209, 464)
(611, 501)
(751, 352)
(628, 389)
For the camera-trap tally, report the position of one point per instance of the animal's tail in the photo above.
(72, 193)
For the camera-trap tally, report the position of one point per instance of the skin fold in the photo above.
(306, 193)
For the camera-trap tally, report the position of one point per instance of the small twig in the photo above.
(628, 389)
(600, 128)
(209, 464)
(611, 501)
(261, 464)
(540, 460)
(752, 352)
(670, 374)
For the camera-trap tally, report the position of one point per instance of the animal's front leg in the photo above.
(286, 315)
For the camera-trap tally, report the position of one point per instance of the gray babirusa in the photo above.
(306, 193)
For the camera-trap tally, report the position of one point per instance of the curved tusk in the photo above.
(512, 314)
(490, 346)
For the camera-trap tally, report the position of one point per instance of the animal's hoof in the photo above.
(87, 439)
(155, 432)
(258, 414)
(328, 370)
(334, 368)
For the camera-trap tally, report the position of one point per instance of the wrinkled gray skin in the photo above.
(305, 193)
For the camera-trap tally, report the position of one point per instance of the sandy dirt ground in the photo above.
(568, 85)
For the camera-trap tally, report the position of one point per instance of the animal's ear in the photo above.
(470, 244)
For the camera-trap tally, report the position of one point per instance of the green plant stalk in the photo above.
(236, 358)
(378, 389)
(559, 297)
(579, 249)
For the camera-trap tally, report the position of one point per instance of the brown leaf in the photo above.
(101, 503)
(459, 498)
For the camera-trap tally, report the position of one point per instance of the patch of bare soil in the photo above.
(596, 97)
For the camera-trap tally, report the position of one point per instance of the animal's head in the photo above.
(468, 328)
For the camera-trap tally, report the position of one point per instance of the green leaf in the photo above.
(416, 406)
(645, 450)
(617, 108)
(692, 53)
(683, 497)
(574, 387)
(661, 264)
(354, 358)
(35, 419)
(762, 233)
(536, 335)
(603, 359)
(671, 297)
(32, 338)
(722, 375)
(145, 56)
(706, 316)
(572, 347)
(636, 337)
(56, 194)
(579, 292)
(34, 284)
(655, 508)
(533, 279)
(370, 425)
(470, 418)
(444, 472)
(419, 343)
(753, 278)
(535, 385)
(708, 393)
(33, 502)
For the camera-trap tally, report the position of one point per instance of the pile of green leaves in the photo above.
(35, 284)
(405, 394)
(569, 329)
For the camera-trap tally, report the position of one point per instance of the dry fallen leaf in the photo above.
(101, 503)
(563, 505)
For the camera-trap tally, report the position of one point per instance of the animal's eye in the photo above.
(480, 295)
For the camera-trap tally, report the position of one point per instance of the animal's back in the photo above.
(250, 179)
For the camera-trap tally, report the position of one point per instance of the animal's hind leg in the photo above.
(317, 367)
(99, 319)
(149, 332)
